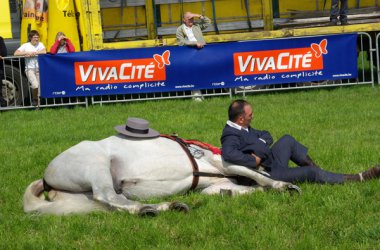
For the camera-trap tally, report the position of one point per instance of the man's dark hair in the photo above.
(31, 34)
(236, 109)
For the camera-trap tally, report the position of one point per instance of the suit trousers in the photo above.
(289, 149)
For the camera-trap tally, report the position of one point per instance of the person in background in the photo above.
(31, 50)
(3, 52)
(190, 34)
(335, 11)
(246, 146)
(62, 44)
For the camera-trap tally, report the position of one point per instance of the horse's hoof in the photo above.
(294, 188)
(148, 211)
(179, 206)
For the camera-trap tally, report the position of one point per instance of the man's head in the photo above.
(188, 19)
(240, 112)
(34, 37)
(61, 38)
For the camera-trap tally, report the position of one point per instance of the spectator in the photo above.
(335, 12)
(3, 52)
(62, 44)
(31, 50)
(190, 34)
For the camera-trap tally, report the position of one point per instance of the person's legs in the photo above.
(287, 148)
(33, 76)
(306, 174)
(334, 12)
(343, 12)
(3, 102)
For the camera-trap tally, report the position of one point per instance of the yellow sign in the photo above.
(5, 20)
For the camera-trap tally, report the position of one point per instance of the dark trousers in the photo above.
(288, 149)
(335, 11)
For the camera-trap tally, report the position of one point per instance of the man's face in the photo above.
(247, 117)
(35, 39)
(188, 19)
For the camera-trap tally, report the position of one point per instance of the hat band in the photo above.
(137, 131)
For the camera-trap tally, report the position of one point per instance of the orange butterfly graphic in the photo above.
(163, 59)
(320, 48)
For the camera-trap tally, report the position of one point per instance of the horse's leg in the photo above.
(261, 179)
(175, 206)
(104, 192)
(73, 172)
(226, 184)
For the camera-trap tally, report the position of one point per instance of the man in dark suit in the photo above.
(243, 145)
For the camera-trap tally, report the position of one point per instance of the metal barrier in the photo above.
(18, 95)
(378, 56)
(160, 96)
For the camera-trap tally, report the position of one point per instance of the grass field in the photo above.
(340, 126)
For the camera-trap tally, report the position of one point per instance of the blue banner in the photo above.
(221, 65)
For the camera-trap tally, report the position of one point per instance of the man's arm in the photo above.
(204, 23)
(264, 136)
(232, 154)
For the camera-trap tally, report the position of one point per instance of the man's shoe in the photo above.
(344, 22)
(371, 173)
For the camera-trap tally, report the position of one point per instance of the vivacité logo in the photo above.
(279, 61)
(122, 71)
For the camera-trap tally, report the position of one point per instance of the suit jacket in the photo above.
(237, 146)
(197, 30)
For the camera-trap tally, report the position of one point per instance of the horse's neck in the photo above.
(210, 163)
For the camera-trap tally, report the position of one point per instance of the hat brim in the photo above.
(151, 132)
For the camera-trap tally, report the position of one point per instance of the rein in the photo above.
(196, 172)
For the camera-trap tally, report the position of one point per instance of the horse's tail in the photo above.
(60, 203)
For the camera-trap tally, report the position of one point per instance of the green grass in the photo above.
(340, 126)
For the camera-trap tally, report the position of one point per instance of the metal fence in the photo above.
(18, 95)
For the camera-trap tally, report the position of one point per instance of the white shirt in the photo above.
(234, 125)
(31, 62)
(190, 34)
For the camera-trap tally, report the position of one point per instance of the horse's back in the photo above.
(149, 168)
(146, 167)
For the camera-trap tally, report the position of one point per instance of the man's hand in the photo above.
(258, 160)
(200, 45)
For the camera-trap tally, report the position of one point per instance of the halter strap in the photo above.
(184, 145)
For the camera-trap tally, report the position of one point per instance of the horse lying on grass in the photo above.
(115, 172)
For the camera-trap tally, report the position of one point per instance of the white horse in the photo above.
(115, 172)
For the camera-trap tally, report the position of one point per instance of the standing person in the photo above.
(62, 44)
(335, 11)
(3, 52)
(246, 146)
(31, 50)
(190, 34)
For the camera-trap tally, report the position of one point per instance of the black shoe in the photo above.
(333, 22)
(34, 102)
(371, 173)
(344, 22)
